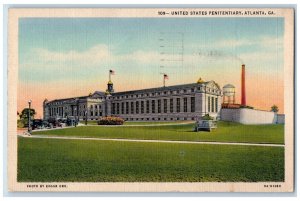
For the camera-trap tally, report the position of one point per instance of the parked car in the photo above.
(39, 124)
(72, 121)
(36, 124)
(63, 122)
(53, 123)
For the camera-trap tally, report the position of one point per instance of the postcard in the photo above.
(150, 100)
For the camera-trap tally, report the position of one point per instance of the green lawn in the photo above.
(57, 160)
(226, 132)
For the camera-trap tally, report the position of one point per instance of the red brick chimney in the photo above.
(243, 95)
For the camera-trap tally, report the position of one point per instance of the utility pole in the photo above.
(86, 116)
(29, 120)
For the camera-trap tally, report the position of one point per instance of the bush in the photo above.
(247, 106)
(110, 121)
(21, 124)
(207, 117)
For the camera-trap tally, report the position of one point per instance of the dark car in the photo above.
(39, 124)
(71, 121)
(53, 123)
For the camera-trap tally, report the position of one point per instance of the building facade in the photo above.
(179, 102)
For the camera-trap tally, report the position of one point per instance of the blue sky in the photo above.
(128, 34)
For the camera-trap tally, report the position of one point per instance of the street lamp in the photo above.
(75, 116)
(86, 117)
(29, 127)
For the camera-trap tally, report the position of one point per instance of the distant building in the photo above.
(179, 102)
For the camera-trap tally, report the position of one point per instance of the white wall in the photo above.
(248, 116)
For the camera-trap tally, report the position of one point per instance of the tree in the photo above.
(274, 108)
(24, 115)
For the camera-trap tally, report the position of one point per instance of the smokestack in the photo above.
(243, 97)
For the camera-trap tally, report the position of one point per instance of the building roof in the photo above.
(101, 93)
(66, 99)
(150, 90)
(174, 87)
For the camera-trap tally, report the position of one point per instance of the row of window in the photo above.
(153, 106)
(93, 106)
(154, 119)
(159, 119)
(56, 111)
(212, 104)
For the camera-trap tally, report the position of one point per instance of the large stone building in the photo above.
(179, 102)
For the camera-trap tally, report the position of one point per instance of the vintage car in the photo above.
(39, 124)
(205, 125)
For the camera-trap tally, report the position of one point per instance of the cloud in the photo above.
(262, 42)
(41, 64)
(93, 55)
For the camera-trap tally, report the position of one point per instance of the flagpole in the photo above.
(109, 75)
(164, 81)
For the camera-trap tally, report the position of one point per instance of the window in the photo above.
(192, 90)
(96, 113)
(113, 108)
(216, 107)
(132, 108)
(212, 104)
(95, 106)
(122, 108)
(192, 104)
(142, 107)
(118, 108)
(158, 106)
(137, 107)
(171, 105)
(147, 106)
(178, 105)
(185, 104)
(91, 113)
(165, 106)
(127, 107)
(208, 103)
(153, 106)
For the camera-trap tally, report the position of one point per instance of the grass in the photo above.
(56, 160)
(226, 132)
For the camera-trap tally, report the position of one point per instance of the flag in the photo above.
(111, 72)
(166, 77)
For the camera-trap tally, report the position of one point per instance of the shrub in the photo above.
(246, 106)
(110, 121)
(207, 117)
(21, 124)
